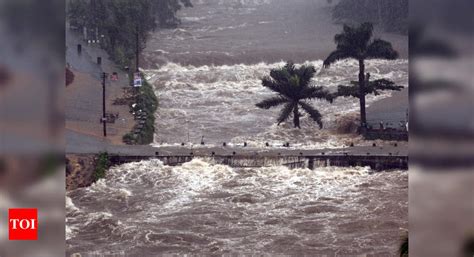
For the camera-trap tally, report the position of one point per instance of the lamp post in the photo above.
(102, 44)
(104, 118)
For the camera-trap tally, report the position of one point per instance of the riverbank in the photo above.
(132, 109)
(143, 110)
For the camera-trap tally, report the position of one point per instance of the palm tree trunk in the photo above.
(296, 117)
(363, 120)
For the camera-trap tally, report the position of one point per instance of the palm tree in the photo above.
(357, 43)
(294, 89)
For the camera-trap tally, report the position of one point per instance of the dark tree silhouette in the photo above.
(371, 87)
(294, 89)
(357, 43)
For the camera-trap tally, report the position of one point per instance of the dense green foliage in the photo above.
(101, 166)
(392, 15)
(294, 88)
(147, 103)
(356, 42)
(121, 20)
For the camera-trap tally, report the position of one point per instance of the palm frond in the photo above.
(290, 67)
(334, 57)
(272, 85)
(285, 112)
(364, 32)
(348, 91)
(306, 73)
(293, 85)
(381, 49)
(373, 87)
(317, 92)
(272, 102)
(281, 75)
(354, 40)
(313, 113)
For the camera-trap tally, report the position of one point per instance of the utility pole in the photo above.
(138, 48)
(104, 118)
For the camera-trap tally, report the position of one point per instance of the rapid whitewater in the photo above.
(147, 209)
(218, 103)
(207, 73)
(207, 76)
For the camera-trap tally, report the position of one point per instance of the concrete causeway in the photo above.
(377, 157)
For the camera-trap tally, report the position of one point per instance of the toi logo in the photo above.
(22, 224)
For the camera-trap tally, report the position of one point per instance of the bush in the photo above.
(147, 102)
(120, 57)
(101, 166)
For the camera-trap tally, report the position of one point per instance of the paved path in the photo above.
(83, 144)
(83, 98)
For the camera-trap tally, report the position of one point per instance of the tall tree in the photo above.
(294, 89)
(357, 43)
(125, 24)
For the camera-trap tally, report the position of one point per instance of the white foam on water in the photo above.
(218, 102)
(201, 201)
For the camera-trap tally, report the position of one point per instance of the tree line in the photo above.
(124, 25)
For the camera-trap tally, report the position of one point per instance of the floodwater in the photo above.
(207, 77)
(207, 73)
(149, 209)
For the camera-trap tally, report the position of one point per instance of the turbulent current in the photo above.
(207, 76)
(218, 102)
(207, 73)
(148, 209)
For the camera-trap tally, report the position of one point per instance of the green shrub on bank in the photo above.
(101, 166)
(147, 102)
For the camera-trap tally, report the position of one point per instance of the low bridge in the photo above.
(378, 158)
(376, 162)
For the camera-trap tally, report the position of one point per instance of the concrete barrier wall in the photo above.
(386, 135)
(311, 162)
